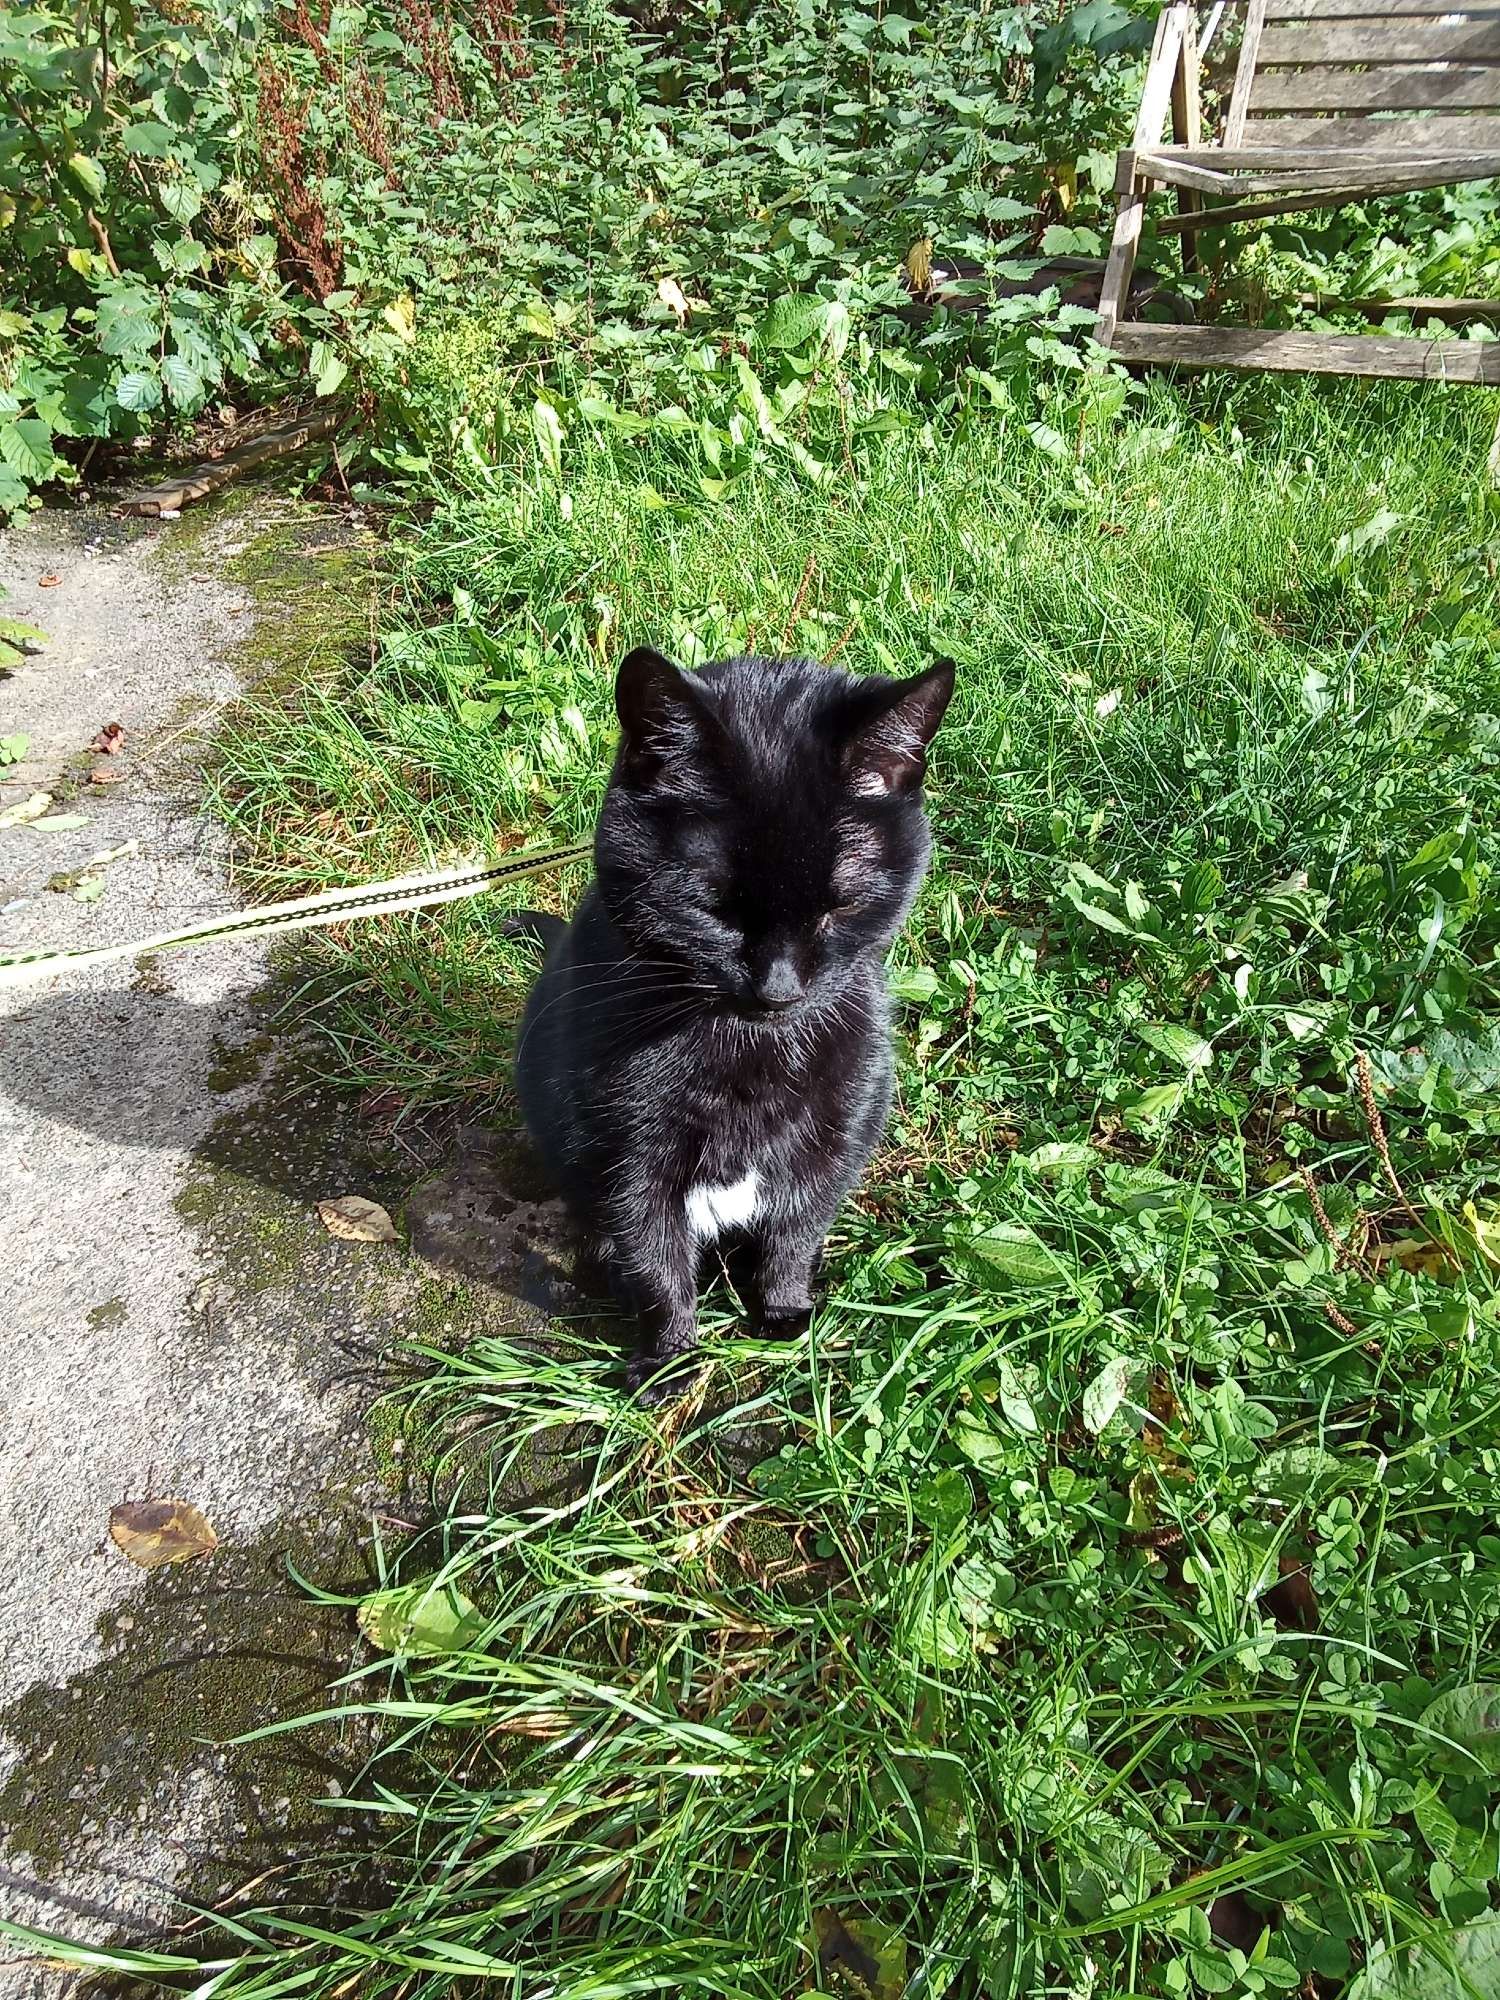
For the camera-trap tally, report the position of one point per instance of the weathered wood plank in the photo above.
(1289, 200)
(1382, 41)
(1156, 90)
(1187, 125)
(1175, 173)
(1360, 10)
(203, 480)
(1244, 75)
(1263, 155)
(1476, 86)
(1309, 353)
(1430, 138)
(1449, 309)
(1120, 263)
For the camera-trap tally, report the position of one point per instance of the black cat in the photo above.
(706, 1053)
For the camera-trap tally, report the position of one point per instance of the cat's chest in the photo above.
(748, 1137)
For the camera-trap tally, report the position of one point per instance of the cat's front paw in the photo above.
(658, 1378)
(782, 1325)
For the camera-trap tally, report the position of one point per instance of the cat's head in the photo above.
(764, 824)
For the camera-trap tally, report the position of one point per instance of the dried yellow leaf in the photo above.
(156, 1532)
(357, 1220)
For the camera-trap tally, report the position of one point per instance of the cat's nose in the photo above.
(780, 985)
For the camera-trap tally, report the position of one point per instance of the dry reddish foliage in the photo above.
(309, 250)
(313, 35)
(431, 36)
(498, 32)
(364, 101)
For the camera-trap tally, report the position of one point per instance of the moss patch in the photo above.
(310, 575)
(202, 1654)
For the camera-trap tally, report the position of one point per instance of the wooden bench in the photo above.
(1326, 102)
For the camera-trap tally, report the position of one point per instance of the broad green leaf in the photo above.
(1156, 1106)
(1014, 1400)
(791, 321)
(148, 139)
(13, 748)
(88, 174)
(755, 397)
(1469, 1719)
(326, 366)
(478, 714)
(1371, 534)
(979, 1442)
(936, 1629)
(138, 390)
(1059, 1159)
(181, 199)
(1107, 1391)
(421, 1620)
(128, 322)
(1295, 1471)
(1109, 1859)
(1051, 444)
(1010, 1256)
(184, 384)
(917, 984)
(1178, 1044)
(1462, 1964)
(26, 447)
(1105, 919)
(837, 326)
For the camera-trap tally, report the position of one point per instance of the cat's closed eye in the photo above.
(842, 911)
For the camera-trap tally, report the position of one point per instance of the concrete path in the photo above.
(176, 1321)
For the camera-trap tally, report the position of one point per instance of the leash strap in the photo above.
(331, 906)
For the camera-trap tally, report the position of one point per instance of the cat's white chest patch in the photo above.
(713, 1209)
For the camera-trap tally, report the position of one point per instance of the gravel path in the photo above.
(176, 1321)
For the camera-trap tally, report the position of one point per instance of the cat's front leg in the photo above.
(786, 1254)
(661, 1280)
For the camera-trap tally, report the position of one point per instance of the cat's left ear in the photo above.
(887, 751)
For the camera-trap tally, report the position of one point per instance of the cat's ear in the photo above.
(659, 712)
(886, 751)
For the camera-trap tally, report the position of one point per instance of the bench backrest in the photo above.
(1313, 73)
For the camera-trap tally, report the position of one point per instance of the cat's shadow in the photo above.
(142, 1067)
(145, 1068)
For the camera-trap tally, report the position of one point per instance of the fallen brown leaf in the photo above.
(1291, 1600)
(156, 1532)
(356, 1220)
(1233, 1922)
(111, 739)
(50, 581)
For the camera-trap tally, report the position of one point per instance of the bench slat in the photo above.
(1380, 138)
(1375, 89)
(1411, 13)
(1385, 41)
(1413, 358)
(1373, 10)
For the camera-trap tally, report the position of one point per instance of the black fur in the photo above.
(717, 1008)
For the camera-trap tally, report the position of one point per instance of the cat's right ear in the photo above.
(659, 714)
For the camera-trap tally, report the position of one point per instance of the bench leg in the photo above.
(1120, 265)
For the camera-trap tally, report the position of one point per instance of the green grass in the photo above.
(1103, 1603)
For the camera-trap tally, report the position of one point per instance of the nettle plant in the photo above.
(132, 285)
(200, 194)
